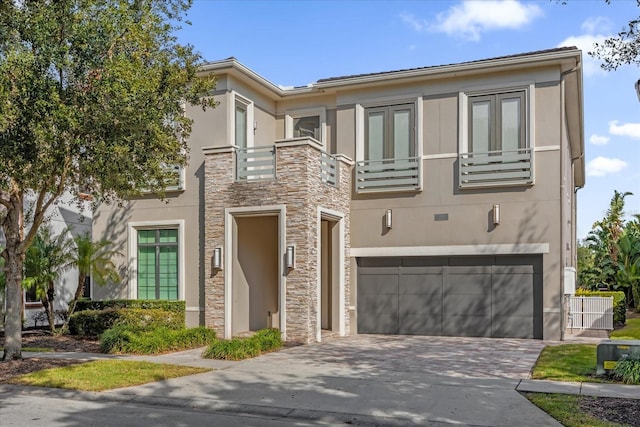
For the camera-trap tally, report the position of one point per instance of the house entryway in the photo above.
(255, 273)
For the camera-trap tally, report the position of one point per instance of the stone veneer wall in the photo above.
(299, 187)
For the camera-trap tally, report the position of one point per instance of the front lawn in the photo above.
(631, 330)
(567, 362)
(103, 375)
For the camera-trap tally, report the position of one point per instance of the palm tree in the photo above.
(92, 259)
(46, 259)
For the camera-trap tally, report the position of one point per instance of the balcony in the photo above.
(388, 175)
(256, 163)
(496, 168)
(260, 163)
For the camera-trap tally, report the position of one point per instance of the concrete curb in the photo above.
(206, 405)
(621, 391)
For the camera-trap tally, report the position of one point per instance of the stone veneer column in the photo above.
(298, 186)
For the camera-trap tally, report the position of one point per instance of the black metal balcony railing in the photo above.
(388, 175)
(481, 169)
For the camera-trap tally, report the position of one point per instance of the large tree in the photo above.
(623, 49)
(92, 96)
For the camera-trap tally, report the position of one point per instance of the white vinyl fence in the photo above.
(591, 312)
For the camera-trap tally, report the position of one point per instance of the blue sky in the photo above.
(293, 43)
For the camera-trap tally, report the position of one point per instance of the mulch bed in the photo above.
(621, 411)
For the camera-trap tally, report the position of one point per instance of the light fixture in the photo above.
(291, 256)
(388, 222)
(496, 214)
(217, 258)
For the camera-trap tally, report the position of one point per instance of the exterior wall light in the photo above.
(388, 222)
(496, 214)
(291, 257)
(217, 258)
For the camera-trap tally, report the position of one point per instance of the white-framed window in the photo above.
(156, 260)
(496, 120)
(242, 119)
(310, 122)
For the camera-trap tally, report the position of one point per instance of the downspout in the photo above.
(563, 220)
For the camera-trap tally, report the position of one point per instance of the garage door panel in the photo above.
(512, 295)
(467, 326)
(462, 305)
(424, 305)
(469, 284)
(514, 326)
(421, 285)
(412, 324)
(378, 314)
(379, 284)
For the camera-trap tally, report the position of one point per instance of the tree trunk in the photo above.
(76, 297)
(13, 226)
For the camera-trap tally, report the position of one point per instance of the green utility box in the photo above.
(610, 351)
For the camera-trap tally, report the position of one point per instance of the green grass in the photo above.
(103, 375)
(566, 410)
(567, 362)
(631, 330)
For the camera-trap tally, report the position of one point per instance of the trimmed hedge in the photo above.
(263, 341)
(177, 306)
(619, 302)
(122, 339)
(95, 322)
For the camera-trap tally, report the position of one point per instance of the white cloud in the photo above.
(599, 139)
(594, 25)
(415, 23)
(586, 42)
(601, 166)
(471, 18)
(631, 130)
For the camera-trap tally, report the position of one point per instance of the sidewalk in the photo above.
(621, 391)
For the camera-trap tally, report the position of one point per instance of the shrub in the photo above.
(121, 339)
(627, 370)
(233, 349)
(264, 340)
(147, 319)
(619, 303)
(268, 339)
(95, 322)
(92, 322)
(177, 306)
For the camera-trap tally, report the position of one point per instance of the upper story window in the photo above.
(242, 115)
(497, 122)
(495, 138)
(388, 153)
(307, 123)
(389, 132)
(307, 126)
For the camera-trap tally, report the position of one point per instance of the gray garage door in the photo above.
(485, 296)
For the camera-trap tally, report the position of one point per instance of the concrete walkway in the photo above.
(367, 379)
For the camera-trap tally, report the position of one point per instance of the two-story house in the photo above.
(433, 201)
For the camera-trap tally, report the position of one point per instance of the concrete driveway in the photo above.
(368, 380)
